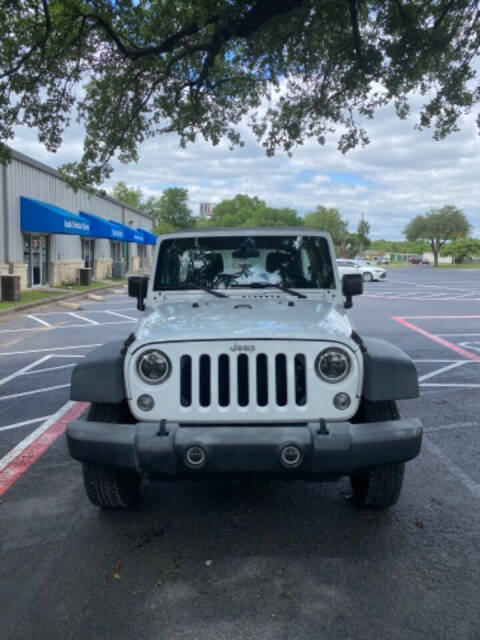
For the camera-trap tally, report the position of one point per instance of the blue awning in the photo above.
(131, 235)
(101, 228)
(150, 238)
(47, 218)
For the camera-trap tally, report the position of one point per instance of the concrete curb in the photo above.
(46, 301)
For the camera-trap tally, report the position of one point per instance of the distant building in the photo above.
(206, 209)
(48, 231)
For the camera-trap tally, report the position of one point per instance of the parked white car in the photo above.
(244, 361)
(369, 272)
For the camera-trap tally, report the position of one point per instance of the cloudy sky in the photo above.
(401, 173)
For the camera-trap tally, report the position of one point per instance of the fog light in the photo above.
(195, 457)
(342, 401)
(291, 456)
(145, 402)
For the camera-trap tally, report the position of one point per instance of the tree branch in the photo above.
(40, 44)
(357, 40)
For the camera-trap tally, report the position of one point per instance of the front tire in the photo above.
(379, 488)
(106, 486)
(367, 276)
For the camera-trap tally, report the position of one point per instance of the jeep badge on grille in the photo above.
(249, 348)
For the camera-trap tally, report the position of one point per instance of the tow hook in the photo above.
(323, 431)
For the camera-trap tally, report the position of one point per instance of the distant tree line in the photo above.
(442, 231)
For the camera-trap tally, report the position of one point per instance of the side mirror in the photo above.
(137, 288)
(352, 285)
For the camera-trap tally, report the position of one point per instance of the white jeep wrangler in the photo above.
(244, 362)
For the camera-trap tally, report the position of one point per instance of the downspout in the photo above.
(5, 214)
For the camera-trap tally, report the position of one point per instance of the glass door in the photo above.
(88, 250)
(44, 260)
(35, 255)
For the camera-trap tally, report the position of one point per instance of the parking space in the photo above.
(252, 559)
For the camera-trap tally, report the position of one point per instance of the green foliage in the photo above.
(132, 69)
(128, 195)
(170, 211)
(399, 246)
(461, 248)
(438, 226)
(243, 211)
(330, 220)
(363, 229)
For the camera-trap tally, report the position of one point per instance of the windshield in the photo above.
(236, 261)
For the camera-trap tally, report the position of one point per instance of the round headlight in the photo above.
(332, 364)
(153, 366)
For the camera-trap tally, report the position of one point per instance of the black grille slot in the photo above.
(262, 380)
(300, 380)
(242, 379)
(281, 379)
(223, 380)
(204, 381)
(185, 381)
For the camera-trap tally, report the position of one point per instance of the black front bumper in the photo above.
(339, 449)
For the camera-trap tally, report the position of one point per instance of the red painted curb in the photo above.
(27, 455)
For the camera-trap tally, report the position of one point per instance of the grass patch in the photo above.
(472, 265)
(34, 295)
(94, 285)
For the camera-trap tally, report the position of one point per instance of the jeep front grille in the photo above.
(243, 380)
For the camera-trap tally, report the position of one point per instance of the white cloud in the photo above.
(402, 173)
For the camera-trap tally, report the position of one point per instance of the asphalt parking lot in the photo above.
(270, 560)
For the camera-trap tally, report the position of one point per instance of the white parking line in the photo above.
(467, 482)
(32, 317)
(24, 423)
(30, 393)
(79, 346)
(121, 315)
(437, 372)
(23, 370)
(21, 457)
(458, 334)
(439, 360)
(446, 384)
(68, 326)
(448, 427)
(75, 315)
(62, 366)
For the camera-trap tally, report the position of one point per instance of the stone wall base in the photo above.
(103, 268)
(20, 269)
(4, 269)
(134, 264)
(63, 272)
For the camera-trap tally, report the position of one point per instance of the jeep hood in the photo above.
(245, 319)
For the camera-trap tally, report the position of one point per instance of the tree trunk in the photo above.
(435, 258)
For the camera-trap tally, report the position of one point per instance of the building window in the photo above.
(35, 256)
(116, 251)
(88, 253)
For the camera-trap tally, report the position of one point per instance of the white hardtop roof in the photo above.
(243, 231)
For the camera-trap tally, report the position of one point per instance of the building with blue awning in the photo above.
(48, 232)
(150, 238)
(47, 218)
(131, 235)
(103, 228)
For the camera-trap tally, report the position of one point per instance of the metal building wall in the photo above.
(26, 177)
(3, 217)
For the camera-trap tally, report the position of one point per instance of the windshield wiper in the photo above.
(196, 287)
(217, 294)
(262, 285)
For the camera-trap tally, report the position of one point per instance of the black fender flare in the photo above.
(99, 376)
(389, 374)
